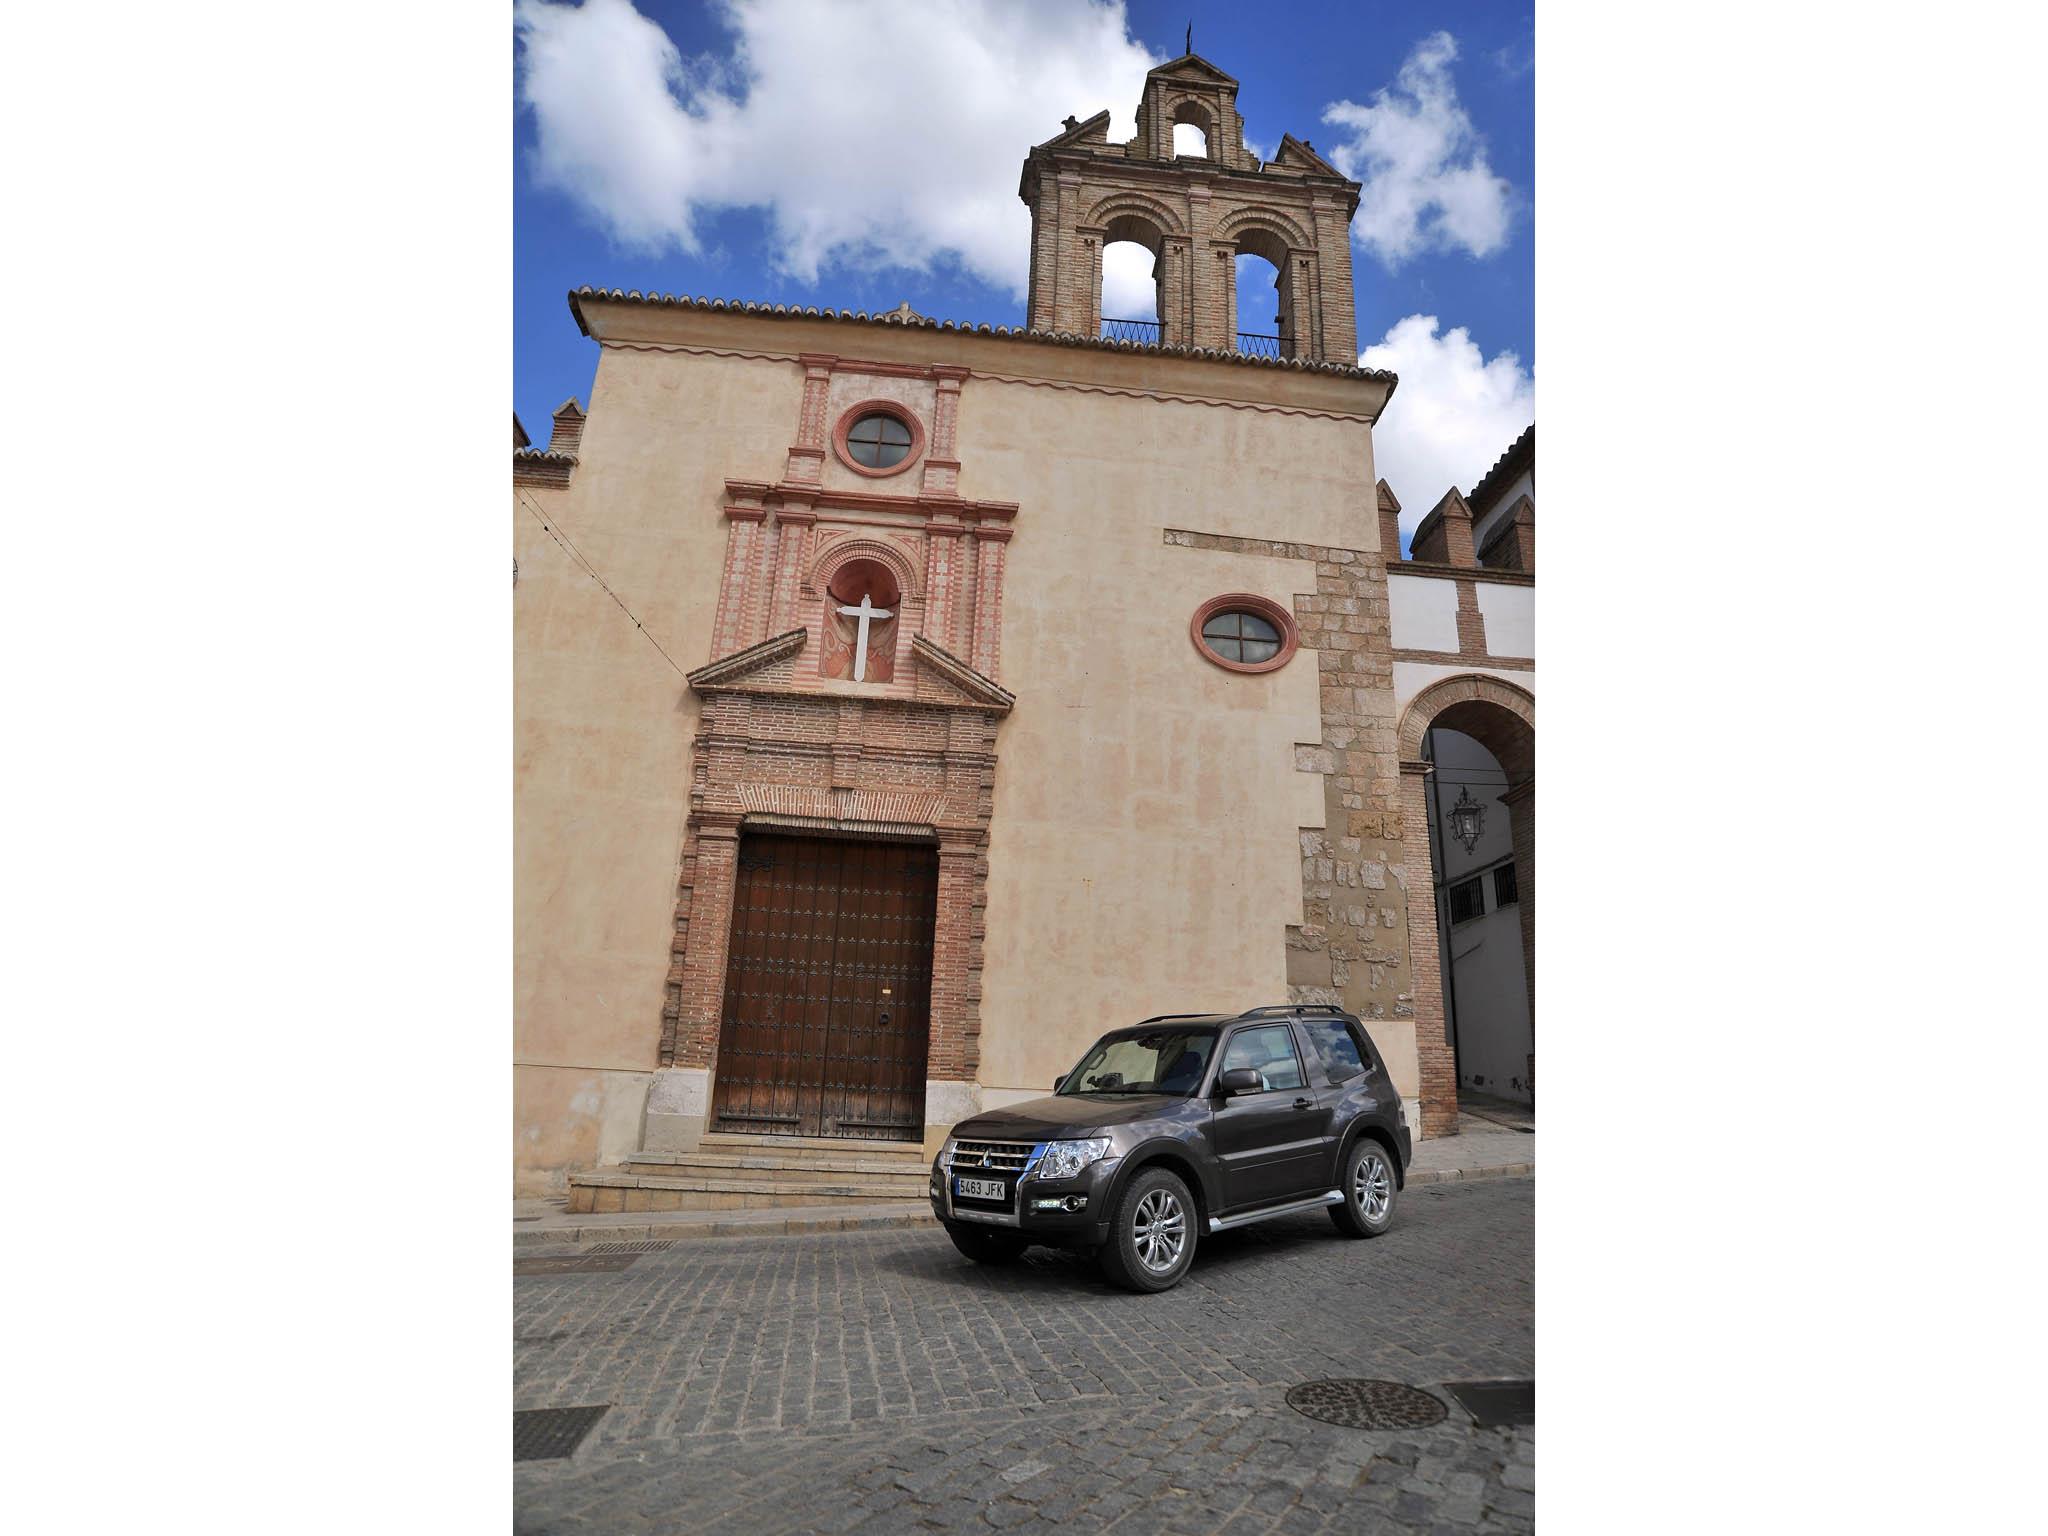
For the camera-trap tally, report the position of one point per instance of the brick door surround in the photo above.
(780, 746)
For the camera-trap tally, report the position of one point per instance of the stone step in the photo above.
(623, 1189)
(732, 1141)
(753, 1159)
(908, 1183)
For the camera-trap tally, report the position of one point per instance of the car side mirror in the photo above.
(1238, 1080)
(1056, 1083)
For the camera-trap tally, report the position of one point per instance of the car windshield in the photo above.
(1143, 1061)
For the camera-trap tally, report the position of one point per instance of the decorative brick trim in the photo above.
(1265, 608)
(1466, 659)
(1439, 571)
(1471, 622)
(539, 466)
(826, 563)
(891, 408)
(767, 756)
(1468, 688)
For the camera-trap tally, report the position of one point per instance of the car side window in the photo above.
(1267, 1050)
(1335, 1048)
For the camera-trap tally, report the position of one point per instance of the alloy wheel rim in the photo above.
(1160, 1231)
(1373, 1187)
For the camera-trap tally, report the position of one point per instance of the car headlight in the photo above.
(1064, 1159)
(946, 1152)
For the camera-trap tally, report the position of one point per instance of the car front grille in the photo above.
(996, 1156)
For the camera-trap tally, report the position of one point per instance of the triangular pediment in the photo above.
(941, 667)
(1094, 130)
(1192, 66)
(1294, 152)
(1389, 502)
(757, 663)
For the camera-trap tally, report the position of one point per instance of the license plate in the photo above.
(980, 1189)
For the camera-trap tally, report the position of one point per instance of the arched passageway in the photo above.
(1473, 834)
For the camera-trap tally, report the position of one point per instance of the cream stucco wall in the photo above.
(603, 725)
(1145, 852)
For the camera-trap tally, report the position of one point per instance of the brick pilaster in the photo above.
(697, 1001)
(1471, 622)
(944, 560)
(793, 526)
(1433, 1051)
(729, 628)
(991, 541)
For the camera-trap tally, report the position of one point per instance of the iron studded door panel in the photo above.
(827, 988)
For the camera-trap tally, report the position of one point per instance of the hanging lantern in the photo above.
(1468, 819)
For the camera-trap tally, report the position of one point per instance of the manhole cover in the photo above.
(581, 1264)
(1366, 1404)
(1493, 1403)
(651, 1246)
(546, 1434)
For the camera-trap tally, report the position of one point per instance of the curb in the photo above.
(797, 1221)
(1463, 1175)
(657, 1226)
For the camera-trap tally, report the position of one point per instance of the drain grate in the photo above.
(1367, 1404)
(1494, 1403)
(653, 1245)
(547, 1434)
(581, 1264)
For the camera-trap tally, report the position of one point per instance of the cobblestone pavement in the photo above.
(879, 1382)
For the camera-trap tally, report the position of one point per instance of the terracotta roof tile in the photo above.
(965, 328)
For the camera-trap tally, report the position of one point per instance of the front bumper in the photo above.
(1072, 1210)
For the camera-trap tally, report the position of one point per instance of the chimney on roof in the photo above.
(1390, 524)
(567, 436)
(1444, 537)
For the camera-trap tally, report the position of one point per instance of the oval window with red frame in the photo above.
(1243, 632)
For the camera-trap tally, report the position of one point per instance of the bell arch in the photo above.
(1150, 224)
(1076, 182)
(1189, 112)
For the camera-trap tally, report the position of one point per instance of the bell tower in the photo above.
(1196, 213)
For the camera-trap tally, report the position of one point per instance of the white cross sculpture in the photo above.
(866, 612)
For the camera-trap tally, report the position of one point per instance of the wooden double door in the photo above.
(828, 985)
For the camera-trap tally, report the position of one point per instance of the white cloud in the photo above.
(872, 132)
(1453, 413)
(1427, 184)
(1129, 291)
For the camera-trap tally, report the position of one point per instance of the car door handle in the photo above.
(1304, 1103)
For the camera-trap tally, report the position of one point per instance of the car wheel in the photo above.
(985, 1246)
(1152, 1236)
(1369, 1188)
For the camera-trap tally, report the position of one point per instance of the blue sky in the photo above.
(855, 154)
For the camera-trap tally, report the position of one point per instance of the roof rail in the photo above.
(1161, 1017)
(1291, 1009)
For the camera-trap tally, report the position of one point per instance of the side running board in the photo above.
(1313, 1203)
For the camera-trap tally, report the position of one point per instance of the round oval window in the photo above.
(877, 441)
(1240, 636)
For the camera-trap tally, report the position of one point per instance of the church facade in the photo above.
(901, 704)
